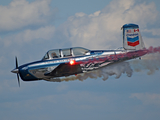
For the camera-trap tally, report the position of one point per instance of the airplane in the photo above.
(58, 63)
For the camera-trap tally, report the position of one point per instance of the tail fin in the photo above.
(132, 39)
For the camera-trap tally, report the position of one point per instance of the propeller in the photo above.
(16, 70)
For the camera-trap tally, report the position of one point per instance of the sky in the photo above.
(126, 91)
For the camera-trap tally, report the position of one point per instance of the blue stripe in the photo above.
(97, 52)
(133, 39)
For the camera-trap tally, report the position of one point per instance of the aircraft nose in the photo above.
(15, 70)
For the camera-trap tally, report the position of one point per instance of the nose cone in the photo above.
(15, 71)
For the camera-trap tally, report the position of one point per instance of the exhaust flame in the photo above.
(151, 62)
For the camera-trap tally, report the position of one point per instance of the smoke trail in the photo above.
(153, 50)
(150, 62)
(114, 69)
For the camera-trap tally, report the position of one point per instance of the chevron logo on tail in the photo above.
(133, 41)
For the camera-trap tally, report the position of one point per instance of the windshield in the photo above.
(80, 51)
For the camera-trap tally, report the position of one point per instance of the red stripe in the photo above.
(133, 43)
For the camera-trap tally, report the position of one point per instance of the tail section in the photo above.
(132, 39)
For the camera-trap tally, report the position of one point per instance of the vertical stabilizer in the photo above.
(132, 39)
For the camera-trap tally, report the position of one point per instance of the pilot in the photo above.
(54, 55)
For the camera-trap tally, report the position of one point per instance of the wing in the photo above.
(65, 70)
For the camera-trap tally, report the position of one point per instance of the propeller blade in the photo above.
(16, 70)
(18, 79)
(16, 63)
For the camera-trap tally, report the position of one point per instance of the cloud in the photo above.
(102, 29)
(151, 36)
(28, 35)
(147, 98)
(153, 31)
(20, 13)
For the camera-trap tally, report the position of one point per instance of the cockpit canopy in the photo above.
(68, 52)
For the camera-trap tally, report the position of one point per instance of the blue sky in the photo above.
(28, 29)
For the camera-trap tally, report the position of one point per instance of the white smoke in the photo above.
(150, 62)
(113, 69)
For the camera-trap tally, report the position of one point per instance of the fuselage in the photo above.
(47, 69)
